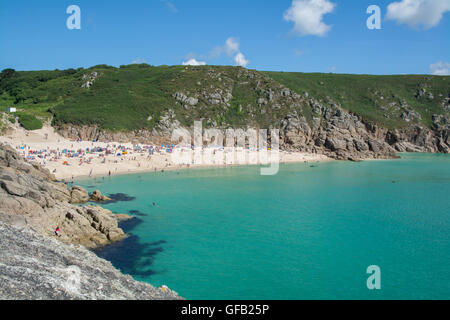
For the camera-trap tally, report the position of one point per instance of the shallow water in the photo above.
(306, 233)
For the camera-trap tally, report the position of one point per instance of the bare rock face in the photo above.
(418, 139)
(33, 267)
(335, 133)
(10, 158)
(30, 197)
(90, 133)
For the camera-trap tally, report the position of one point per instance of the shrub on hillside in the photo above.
(29, 122)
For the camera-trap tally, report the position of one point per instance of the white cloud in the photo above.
(139, 61)
(231, 48)
(194, 62)
(418, 13)
(307, 16)
(440, 69)
(240, 60)
(170, 6)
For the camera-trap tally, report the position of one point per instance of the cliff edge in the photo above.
(30, 196)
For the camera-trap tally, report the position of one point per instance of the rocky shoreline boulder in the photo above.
(97, 196)
(78, 195)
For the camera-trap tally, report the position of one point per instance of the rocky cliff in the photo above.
(34, 267)
(329, 130)
(30, 196)
(345, 136)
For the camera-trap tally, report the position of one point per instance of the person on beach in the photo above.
(58, 232)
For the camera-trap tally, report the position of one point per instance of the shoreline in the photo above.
(192, 167)
(75, 160)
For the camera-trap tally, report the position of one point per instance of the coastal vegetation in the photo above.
(29, 121)
(138, 96)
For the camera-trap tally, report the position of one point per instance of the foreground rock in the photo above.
(29, 196)
(33, 267)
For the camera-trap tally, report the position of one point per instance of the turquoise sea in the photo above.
(306, 233)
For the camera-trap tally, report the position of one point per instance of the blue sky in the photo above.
(34, 36)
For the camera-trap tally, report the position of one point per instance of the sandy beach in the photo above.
(69, 160)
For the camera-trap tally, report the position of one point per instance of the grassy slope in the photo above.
(370, 96)
(123, 98)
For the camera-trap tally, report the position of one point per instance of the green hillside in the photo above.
(138, 96)
(375, 98)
